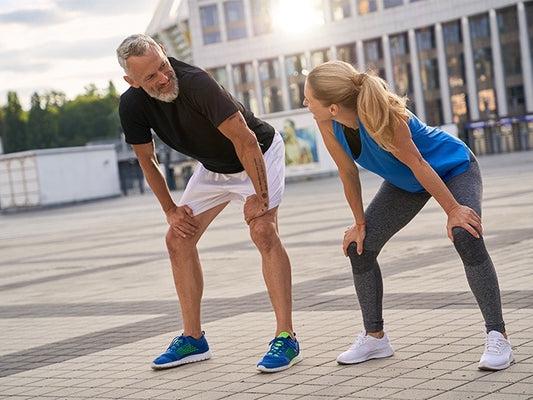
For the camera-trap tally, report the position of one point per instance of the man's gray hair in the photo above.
(134, 45)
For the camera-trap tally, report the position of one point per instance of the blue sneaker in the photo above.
(284, 353)
(183, 350)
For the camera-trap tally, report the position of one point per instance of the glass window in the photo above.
(270, 84)
(340, 9)
(210, 24)
(373, 50)
(452, 33)
(347, 53)
(392, 3)
(235, 21)
(319, 57)
(425, 39)
(366, 6)
(429, 74)
(243, 77)
(296, 69)
(399, 45)
(507, 20)
(261, 16)
(483, 64)
(220, 75)
(479, 27)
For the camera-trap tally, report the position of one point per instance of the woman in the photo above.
(361, 119)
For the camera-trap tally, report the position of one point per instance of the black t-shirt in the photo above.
(189, 124)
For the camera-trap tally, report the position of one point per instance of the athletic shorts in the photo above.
(207, 189)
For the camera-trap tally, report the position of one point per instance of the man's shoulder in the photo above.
(132, 96)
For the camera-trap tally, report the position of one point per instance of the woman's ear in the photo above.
(333, 110)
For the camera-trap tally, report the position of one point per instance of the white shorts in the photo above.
(207, 189)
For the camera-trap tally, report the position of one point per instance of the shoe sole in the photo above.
(379, 354)
(485, 367)
(295, 360)
(185, 360)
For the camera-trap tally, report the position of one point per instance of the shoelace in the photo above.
(494, 345)
(176, 342)
(278, 346)
(360, 340)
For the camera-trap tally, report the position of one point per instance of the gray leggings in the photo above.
(390, 210)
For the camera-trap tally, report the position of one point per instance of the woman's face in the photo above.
(320, 112)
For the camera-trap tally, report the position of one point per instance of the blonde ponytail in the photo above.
(379, 110)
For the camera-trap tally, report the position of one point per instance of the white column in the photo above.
(497, 63)
(222, 22)
(443, 76)
(248, 18)
(231, 82)
(353, 8)
(415, 73)
(471, 86)
(360, 54)
(284, 84)
(258, 87)
(525, 52)
(387, 62)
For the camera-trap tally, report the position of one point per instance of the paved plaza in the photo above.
(87, 301)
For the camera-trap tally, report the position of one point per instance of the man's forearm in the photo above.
(156, 181)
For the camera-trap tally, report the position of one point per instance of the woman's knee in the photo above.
(471, 249)
(361, 263)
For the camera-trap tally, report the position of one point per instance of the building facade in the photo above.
(466, 65)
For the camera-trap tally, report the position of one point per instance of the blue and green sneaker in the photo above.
(183, 350)
(284, 353)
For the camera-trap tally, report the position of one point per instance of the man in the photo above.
(240, 158)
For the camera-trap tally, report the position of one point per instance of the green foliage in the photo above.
(54, 121)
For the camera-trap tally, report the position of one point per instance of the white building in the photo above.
(464, 64)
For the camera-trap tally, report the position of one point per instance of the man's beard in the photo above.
(167, 97)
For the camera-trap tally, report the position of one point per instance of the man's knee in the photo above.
(263, 232)
(176, 243)
(361, 263)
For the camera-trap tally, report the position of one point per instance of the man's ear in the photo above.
(162, 49)
(131, 82)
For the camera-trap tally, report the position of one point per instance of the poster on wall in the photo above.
(305, 153)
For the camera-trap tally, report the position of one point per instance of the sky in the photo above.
(65, 45)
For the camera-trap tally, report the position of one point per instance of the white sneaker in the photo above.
(365, 348)
(498, 354)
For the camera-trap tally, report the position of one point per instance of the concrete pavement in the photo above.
(87, 301)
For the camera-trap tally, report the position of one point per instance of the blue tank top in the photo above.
(447, 155)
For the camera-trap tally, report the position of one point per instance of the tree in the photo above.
(43, 127)
(15, 138)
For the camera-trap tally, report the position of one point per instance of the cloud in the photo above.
(103, 7)
(33, 17)
(41, 58)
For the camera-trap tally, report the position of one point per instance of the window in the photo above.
(425, 39)
(479, 27)
(452, 33)
(373, 50)
(261, 16)
(210, 24)
(235, 21)
(347, 53)
(270, 84)
(296, 68)
(399, 45)
(340, 9)
(220, 75)
(392, 3)
(243, 77)
(366, 6)
(319, 57)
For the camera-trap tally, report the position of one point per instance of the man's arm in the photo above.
(251, 157)
(180, 218)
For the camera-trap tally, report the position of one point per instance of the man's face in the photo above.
(154, 74)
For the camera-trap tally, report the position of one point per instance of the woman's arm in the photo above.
(458, 215)
(349, 175)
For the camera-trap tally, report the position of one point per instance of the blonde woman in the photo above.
(361, 120)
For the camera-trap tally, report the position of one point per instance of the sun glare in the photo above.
(296, 16)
